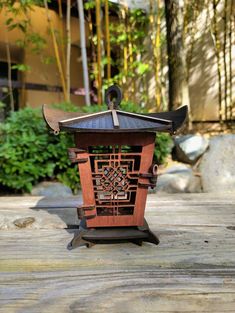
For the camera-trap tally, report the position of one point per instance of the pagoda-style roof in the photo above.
(114, 120)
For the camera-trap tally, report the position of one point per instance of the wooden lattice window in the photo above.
(115, 178)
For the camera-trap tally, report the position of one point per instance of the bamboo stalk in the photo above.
(125, 50)
(158, 56)
(8, 52)
(130, 51)
(56, 49)
(68, 54)
(93, 50)
(151, 19)
(62, 34)
(107, 33)
(152, 38)
(224, 59)
(60, 9)
(155, 24)
(99, 69)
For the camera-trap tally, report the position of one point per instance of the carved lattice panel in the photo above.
(115, 178)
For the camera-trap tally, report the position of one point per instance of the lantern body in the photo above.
(112, 168)
(114, 151)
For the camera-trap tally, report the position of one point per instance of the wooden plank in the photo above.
(40, 275)
(73, 201)
(39, 202)
(191, 270)
(195, 247)
(87, 291)
(58, 213)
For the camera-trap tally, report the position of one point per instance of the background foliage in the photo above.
(29, 153)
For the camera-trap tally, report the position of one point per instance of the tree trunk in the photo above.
(178, 86)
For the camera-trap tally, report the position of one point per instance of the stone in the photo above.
(178, 178)
(24, 222)
(217, 166)
(195, 185)
(189, 148)
(51, 189)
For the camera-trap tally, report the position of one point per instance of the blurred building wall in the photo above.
(42, 73)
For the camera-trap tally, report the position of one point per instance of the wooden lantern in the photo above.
(114, 151)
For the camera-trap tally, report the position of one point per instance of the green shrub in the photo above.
(29, 153)
(66, 106)
(163, 147)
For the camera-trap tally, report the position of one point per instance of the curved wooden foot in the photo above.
(137, 242)
(152, 238)
(78, 241)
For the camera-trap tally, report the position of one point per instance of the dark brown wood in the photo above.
(136, 235)
(73, 155)
(115, 119)
(84, 140)
(115, 234)
(53, 116)
(178, 116)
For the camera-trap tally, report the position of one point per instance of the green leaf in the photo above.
(21, 67)
(142, 68)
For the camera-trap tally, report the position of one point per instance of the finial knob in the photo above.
(113, 97)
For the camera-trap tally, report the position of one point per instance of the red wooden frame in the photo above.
(89, 178)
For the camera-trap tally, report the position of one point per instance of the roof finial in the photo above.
(113, 97)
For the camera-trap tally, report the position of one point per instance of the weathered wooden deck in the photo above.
(192, 270)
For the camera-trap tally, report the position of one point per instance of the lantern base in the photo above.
(91, 236)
